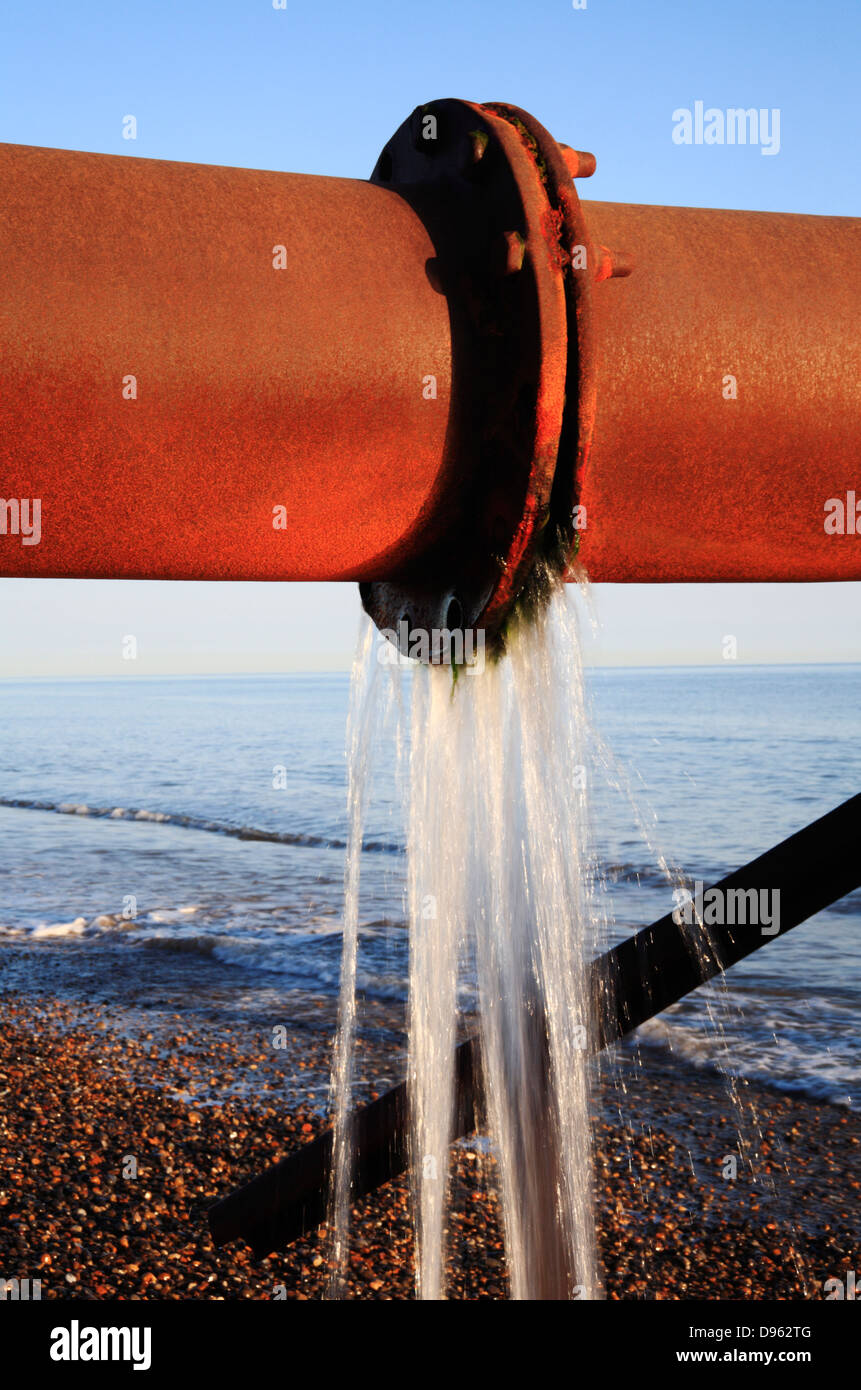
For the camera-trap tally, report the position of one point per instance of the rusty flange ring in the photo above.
(515, 264)
(582, 264)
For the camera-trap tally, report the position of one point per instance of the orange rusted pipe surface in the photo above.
(257, 387)
(284, 427)
(728, 390)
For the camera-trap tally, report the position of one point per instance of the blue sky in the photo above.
(318, 89)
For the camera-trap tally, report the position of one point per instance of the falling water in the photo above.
(499, 900)
(507, 907)
(499, 876)
(362, 726)
(439, 912)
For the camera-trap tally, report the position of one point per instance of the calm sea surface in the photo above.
(144, 819)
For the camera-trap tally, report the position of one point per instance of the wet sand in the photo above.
(196, 1110)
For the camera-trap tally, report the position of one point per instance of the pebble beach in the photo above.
(115, 1141)
(170, 954)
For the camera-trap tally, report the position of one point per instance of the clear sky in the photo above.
(318, 88)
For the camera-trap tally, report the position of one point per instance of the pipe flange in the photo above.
(513, 259)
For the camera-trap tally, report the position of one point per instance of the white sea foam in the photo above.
(776, 1047)
(59, 930)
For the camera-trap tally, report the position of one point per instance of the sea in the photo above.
(193, 829)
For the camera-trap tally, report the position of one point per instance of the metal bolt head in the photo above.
(581, 164)
(512, 250)
(478, 141)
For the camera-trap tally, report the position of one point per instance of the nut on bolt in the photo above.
(581, 164)
(511, 252)
(612, 265)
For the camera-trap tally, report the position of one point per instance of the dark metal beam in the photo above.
(631, 983)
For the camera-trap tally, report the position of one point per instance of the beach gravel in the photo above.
(113, 1147)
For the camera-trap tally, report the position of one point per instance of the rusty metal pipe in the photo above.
(256, 388)
(184, 409)
(728, 397)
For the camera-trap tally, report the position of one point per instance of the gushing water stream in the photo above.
(497, 874)
(504, 896)
(498, 884)
(361, 728)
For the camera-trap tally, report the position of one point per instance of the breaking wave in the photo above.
(186, 822)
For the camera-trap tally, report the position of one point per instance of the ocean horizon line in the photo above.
(317, 671)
